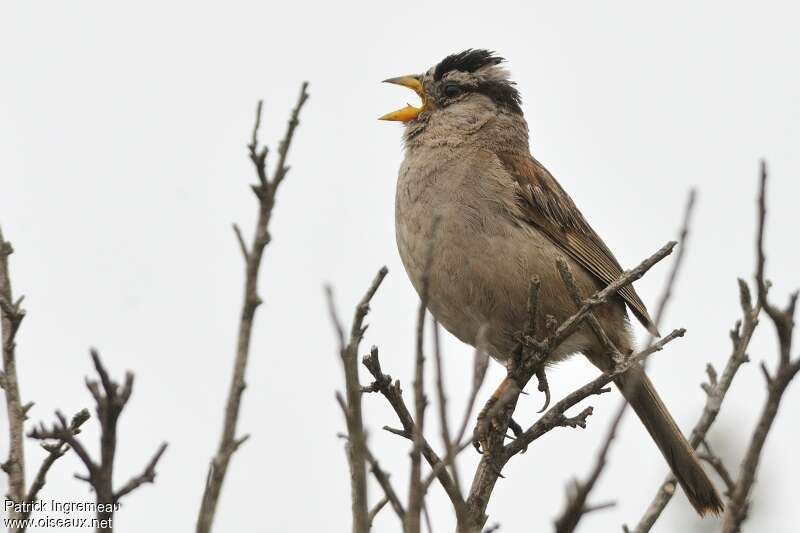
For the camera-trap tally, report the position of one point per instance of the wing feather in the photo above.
(550, 209)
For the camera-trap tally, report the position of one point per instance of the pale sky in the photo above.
(122, 166)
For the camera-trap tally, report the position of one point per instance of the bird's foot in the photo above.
(489, 422)
(480, 435)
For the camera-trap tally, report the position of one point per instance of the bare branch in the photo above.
(394, 395)
(741, 334)
(716, 463)
(147, 476)
(489, 467)
(573, 323)
(416, 490)
(240, 239)
(527, 362)
(554, 416)
(55, 451)
(683, 240)
(783, 320)
(356, 441)
(441, 394)
(383, 480)
(377, 509)
(100, 474)
(480, 365)
(572, 287)
(715, 390)
(63, 433)
(577, 498)
(283, 147)
(265, 191)
(11, 315)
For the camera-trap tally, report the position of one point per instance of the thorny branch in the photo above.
(265, 191)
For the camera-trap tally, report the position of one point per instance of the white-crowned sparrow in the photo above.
(503, 220)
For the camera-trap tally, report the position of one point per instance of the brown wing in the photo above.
(552, 211)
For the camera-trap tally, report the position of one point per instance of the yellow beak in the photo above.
(409, 112)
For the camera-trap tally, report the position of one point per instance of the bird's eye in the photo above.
(451, 90)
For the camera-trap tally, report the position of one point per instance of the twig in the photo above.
(576, 500)
(394, 395)
(356, 441)
(479, 367)
(448, 461)
(715, 391)
(530, 363)
(383, 480)
(110, 398)
(554, 417)
(776, 383)
(572, 287)
(147, 476)
(11, 315)
(444, 424)
(416, 490)
(265, 191)
(377, 509)
(55, 451)
(427, 517)
(716, 463)
(683, 241)
(487, 473)
(626, 278)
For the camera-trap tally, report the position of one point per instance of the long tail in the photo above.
(638, 390)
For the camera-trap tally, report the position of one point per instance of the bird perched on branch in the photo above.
(503, 220)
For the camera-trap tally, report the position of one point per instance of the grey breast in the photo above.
(483, 257)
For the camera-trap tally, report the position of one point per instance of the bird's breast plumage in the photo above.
(483, 258)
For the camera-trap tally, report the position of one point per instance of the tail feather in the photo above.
(642, 396)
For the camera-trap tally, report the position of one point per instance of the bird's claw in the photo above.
(518, 431)
(543, 387)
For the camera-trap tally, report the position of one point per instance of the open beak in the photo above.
(409, 112)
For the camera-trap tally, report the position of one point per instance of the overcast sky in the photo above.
(122, 165)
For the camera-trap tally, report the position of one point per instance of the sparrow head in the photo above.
(462, 85)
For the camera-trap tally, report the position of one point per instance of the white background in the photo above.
(122, 165)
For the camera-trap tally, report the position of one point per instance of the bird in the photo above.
(477, 217)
